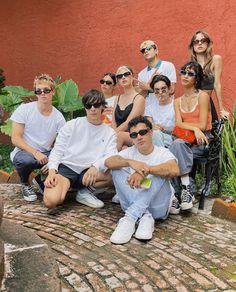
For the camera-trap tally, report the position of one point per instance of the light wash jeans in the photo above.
(161, 139)
(135, 202)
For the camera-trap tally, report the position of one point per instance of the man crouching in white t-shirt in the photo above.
(77, 159)
(35, 126)
(141, 176)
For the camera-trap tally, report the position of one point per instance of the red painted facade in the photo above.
(82, 39)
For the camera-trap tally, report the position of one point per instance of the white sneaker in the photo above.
(84, 196)
(115, 199)
(175, 206)
(145, 227)
(187, 198)
(124, 230)
(97, 191)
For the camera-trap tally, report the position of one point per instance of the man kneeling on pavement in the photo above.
(77, 159)
(141, 177)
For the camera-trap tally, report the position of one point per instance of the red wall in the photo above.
(82, 39)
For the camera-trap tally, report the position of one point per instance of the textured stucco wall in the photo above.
(82, 39)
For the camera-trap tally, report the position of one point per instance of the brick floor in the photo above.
(191, 252)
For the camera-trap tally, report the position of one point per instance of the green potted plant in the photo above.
(226, 207)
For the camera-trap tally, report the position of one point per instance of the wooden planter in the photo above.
(224, 210)
(12, 178)
(5, 139)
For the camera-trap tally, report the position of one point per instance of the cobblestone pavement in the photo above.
(191, 252)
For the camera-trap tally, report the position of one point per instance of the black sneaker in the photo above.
(28, 193)
(39, 184)
(175, 207)
(187, 198)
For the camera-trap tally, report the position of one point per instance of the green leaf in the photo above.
(10, 101)
(57, 79)
(18, 90)
(66, 96)
(7, 128)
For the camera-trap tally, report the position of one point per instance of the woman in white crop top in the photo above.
(161, 111)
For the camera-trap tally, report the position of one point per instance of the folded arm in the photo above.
(18, 140)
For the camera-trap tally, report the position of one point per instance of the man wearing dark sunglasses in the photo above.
(35, 126)
(141, 177)
(149, 50)
(77, 159)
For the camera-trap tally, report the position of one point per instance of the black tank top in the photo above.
(208, 82)
(122, 115)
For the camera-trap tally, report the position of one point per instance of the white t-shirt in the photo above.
(159, 155)
(80, 144)
(39, 131)
(166, 68)
(110, 101)
(161, 114)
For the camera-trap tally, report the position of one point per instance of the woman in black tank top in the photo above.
(201, 51)
(127, 105)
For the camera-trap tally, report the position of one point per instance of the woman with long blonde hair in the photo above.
(200, 48)
(128, 105)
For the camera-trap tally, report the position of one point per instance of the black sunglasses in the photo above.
(105, 82)
(142, 132)
(148, 48)
(202, 41)
(95, 105)
(126, 74)
(39, 91)
(188, 73)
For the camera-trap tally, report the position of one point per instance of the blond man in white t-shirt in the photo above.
(35, 126)
(155, 66)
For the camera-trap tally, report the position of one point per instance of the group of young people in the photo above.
(123, 140)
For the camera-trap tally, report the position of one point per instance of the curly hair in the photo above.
(46, 78)
(137, 120)
(196, 67)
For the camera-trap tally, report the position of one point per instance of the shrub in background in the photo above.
(228, 156)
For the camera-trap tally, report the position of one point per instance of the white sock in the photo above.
(185, 180)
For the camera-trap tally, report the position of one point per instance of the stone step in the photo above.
(29, 264)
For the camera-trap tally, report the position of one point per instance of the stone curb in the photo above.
(29, 263)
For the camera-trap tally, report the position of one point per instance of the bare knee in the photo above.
(50, 200)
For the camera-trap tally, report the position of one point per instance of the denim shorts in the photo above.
(74, 177)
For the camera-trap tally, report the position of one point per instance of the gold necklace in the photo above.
(188, 99)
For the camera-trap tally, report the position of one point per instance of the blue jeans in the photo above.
(161, 139)
(135, 202)
(25, 163)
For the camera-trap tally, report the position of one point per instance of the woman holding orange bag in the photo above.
(192, 113)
